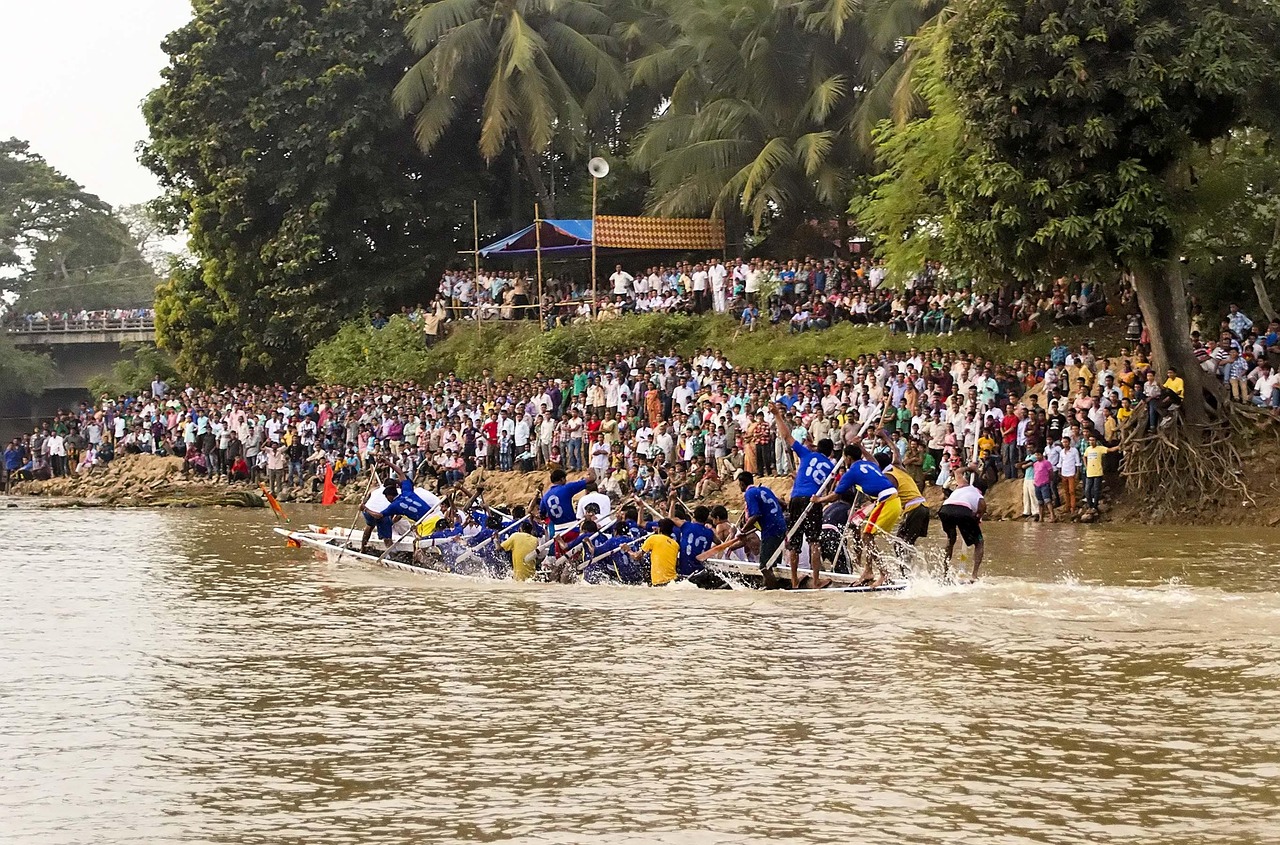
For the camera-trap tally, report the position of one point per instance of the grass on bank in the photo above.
(360, 354)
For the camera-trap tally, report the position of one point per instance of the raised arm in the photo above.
(784, 428)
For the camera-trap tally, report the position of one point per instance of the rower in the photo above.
(695, 536)
(914, 523)
(609, 557)
(373, 512)
(805, 520)
(765, 511)
(864, 476)
(523, 546)
(557, 503)
(601, 501)
(663, 552)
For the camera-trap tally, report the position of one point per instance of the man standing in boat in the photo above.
(556, 506)
(813, 468)
(374, 512)
(765, 512)
(412, 503)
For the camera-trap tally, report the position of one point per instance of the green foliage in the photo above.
(360, 354)
(906, 210)
(740, 133)
(1084, 114)
(539, 74)
(1233, 226)
(304, 194)
(70, 250)
(135, 373)
(24, 373)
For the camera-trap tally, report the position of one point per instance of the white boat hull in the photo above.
(840, 582)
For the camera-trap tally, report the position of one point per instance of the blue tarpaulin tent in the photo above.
(559, 237)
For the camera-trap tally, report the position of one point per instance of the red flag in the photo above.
(330, 489)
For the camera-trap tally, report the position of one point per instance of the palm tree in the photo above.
(764, 99)
(542, 73)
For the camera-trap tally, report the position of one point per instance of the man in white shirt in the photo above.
(622, 281)
(717, 274)
(700, 279)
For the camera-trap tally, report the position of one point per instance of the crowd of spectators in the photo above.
(81, 319)
(803, 294)
(651, 422)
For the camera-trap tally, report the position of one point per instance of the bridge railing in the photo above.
(88, 324)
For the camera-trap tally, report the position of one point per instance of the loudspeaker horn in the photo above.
(598, 167)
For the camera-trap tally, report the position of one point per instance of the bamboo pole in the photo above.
(475, 235)
(537, 233)
(595, 301)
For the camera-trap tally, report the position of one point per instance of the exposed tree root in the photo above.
(1179, 464)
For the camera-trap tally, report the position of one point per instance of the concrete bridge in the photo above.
(81, 349)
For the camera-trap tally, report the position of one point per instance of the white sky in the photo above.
(73, 74)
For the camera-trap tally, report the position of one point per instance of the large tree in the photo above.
(766, 99)
(65, 247)
(304, 194)
(542, 76)
(1079, 120)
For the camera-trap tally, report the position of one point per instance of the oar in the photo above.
(373, 477)
(510, 528)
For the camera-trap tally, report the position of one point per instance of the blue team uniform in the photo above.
(866, 476)
(812, 470)
(616, 567)
(557, 503)
(763, 503)
(408, 504)
(695, 538)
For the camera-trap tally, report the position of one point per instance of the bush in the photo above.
(360, 354)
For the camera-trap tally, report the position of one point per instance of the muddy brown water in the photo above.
(181, 677)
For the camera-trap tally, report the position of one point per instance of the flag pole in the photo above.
(537, 233)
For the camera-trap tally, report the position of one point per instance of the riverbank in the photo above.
(139, 481)
(147, 481)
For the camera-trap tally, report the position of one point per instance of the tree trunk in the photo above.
(534, 175)
(1162, 296)
(1267, 269)
(1264, 298)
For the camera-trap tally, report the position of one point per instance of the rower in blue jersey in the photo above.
(609, 561)
(411, 503)
(763, 511)
(865, 476)
(813, 468)
(373, 511)
(695, 536)
(556, 505)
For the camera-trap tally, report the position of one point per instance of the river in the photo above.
(181, 677)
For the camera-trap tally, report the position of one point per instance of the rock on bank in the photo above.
(139, 481)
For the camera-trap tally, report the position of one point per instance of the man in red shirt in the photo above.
(490, 429)
(1009, 444)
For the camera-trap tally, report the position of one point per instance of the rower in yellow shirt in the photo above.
(663, 551)
(523, 547)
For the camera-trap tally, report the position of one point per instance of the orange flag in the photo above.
(330, 489)
(271, 500)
